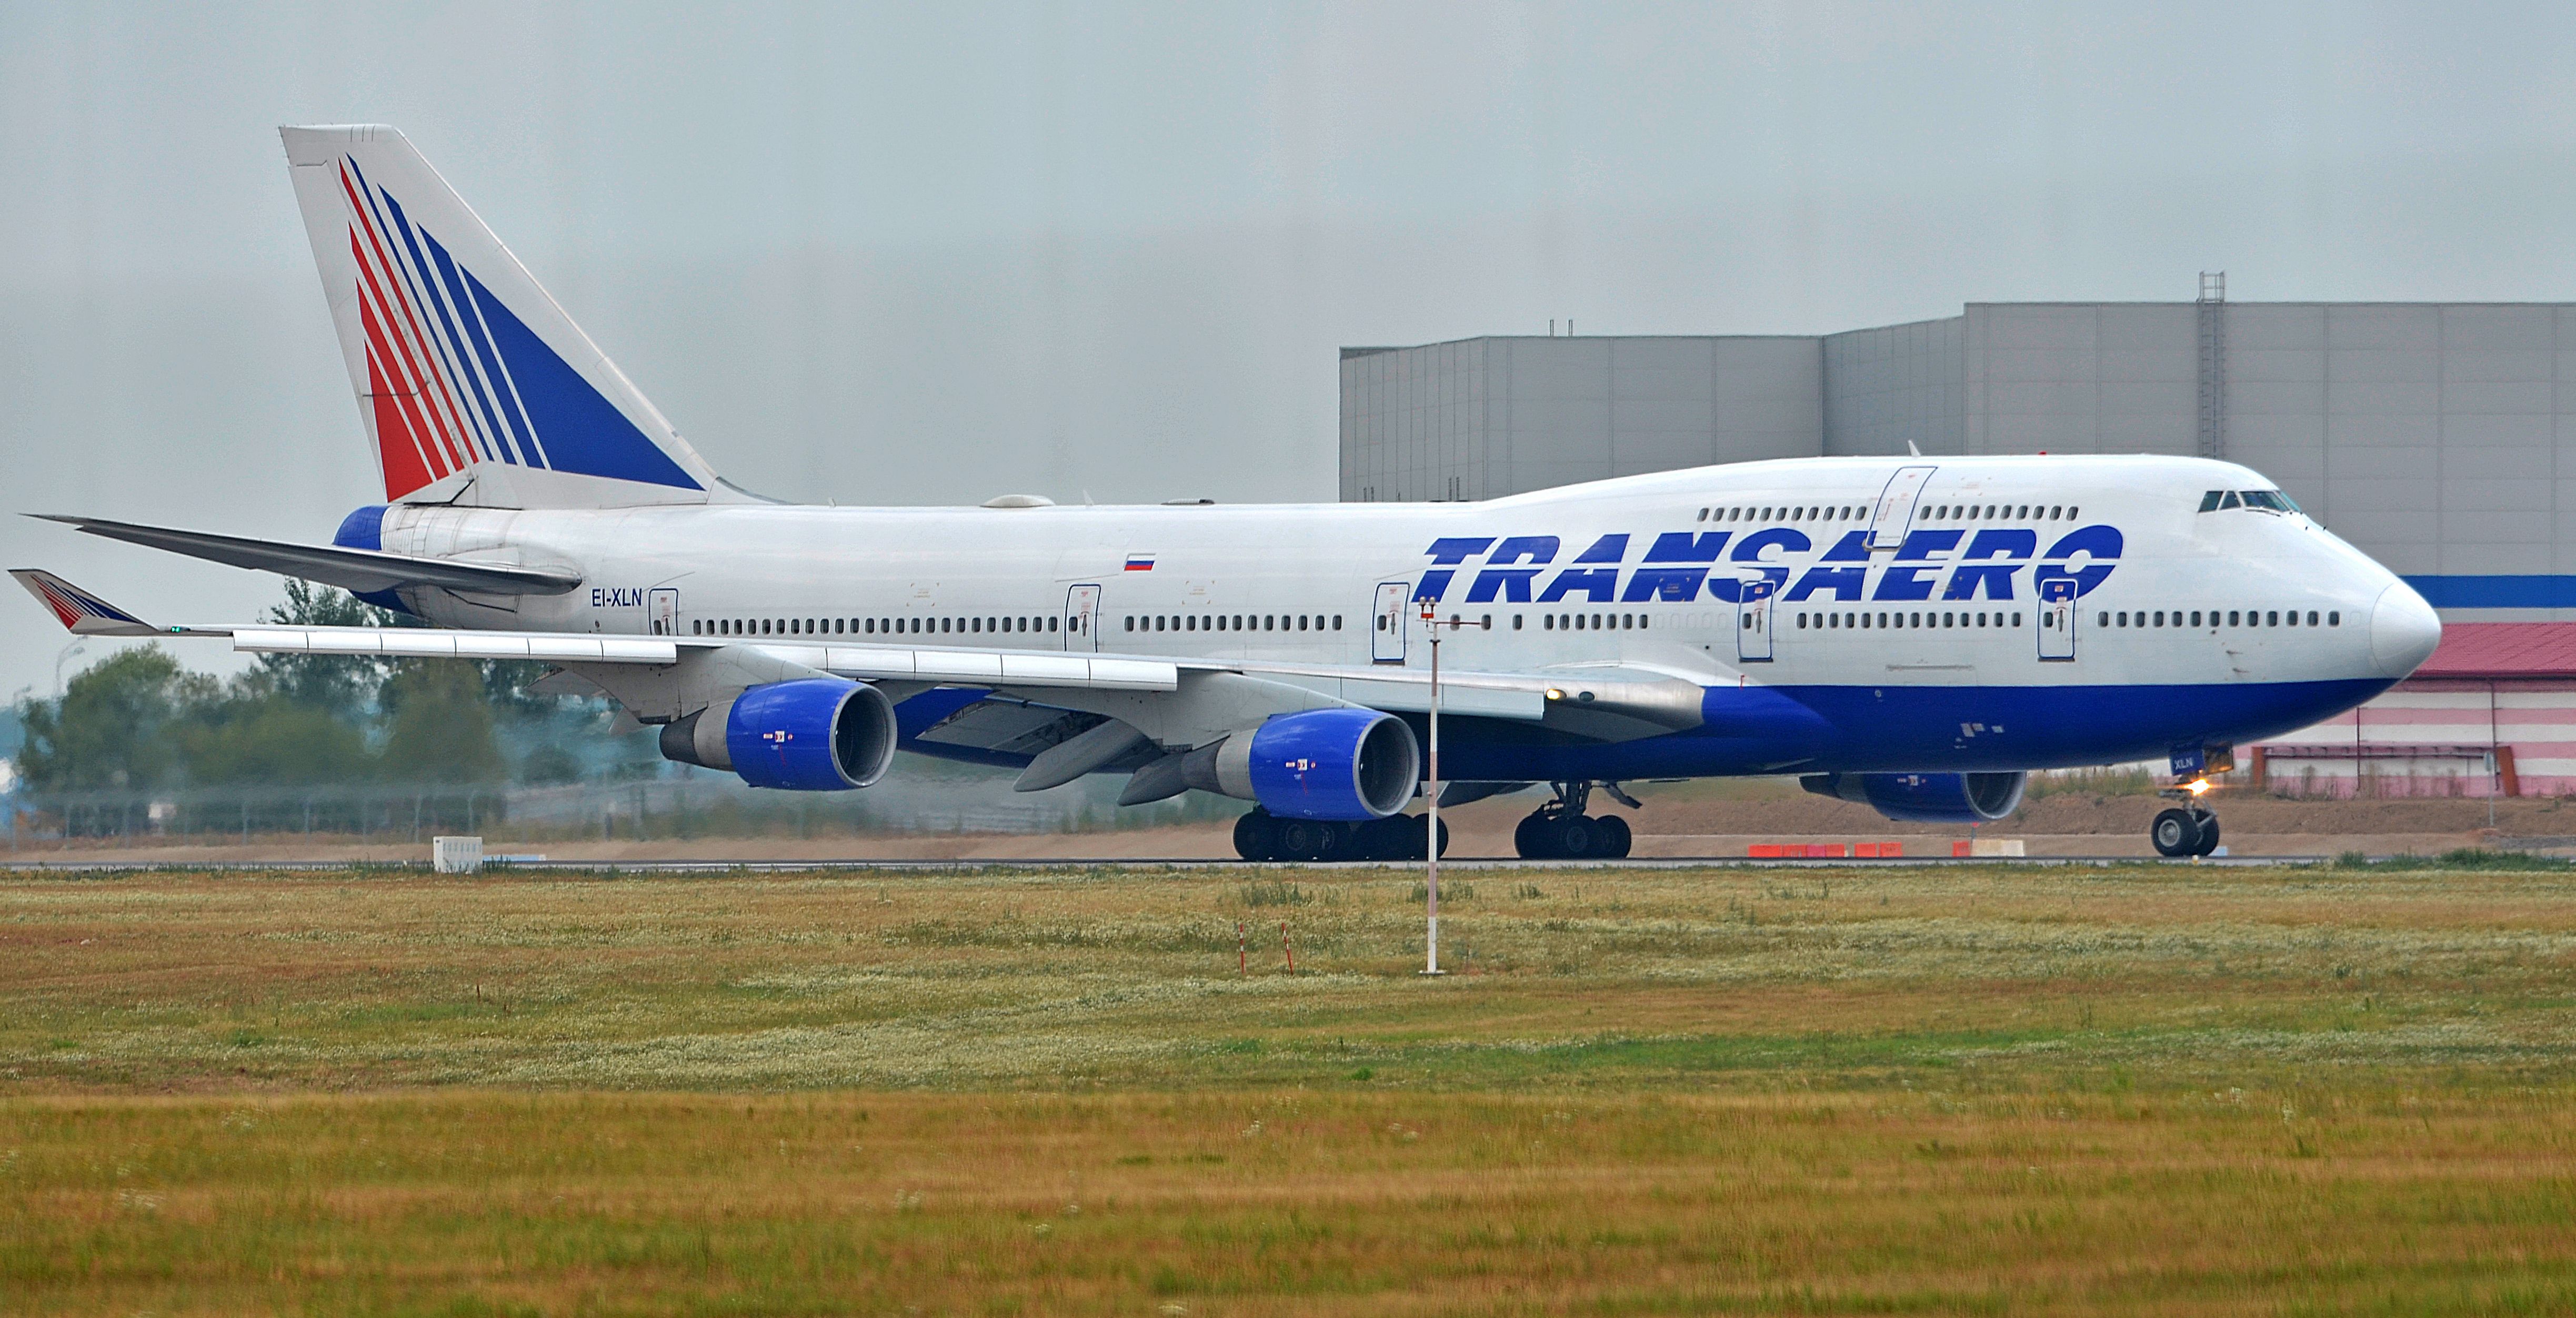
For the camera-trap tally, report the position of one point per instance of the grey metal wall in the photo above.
(1480, 418)
(1886, 386)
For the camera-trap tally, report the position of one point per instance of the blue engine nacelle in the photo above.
(1343, 764)
(816, 734)
(1928, 798)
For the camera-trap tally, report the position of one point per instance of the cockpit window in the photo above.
(2227, 499)
(2209, 501)
(2272, 500)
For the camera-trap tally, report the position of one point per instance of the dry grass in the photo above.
(2133, 1090)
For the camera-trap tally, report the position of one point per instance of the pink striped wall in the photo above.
(2536, 719)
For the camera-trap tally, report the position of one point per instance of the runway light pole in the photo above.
(1431, 793)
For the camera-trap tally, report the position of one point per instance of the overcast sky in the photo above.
(930, 253)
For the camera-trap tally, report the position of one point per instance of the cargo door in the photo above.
(1386, 642)
(2057, 620)
(1753, 620)
(1895, 510)
(1082, 618)
(665, 611)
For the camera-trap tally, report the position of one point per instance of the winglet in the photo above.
(83, 613)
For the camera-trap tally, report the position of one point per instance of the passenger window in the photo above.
(1337, 622)
(2052, 513)
(2334, 619)
(2312, 617)
(1516, 623)
(2275, 620)
(1546, 622)
(2102, 620)
(1703, 514)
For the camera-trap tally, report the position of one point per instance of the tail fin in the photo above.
(473, 383)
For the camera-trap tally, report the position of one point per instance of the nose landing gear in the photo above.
(2189, 830)
(1560, 830)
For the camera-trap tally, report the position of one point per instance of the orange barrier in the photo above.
(1823, 850)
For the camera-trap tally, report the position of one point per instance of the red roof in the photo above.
(2504, 650)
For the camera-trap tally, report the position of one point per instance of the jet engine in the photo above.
(1337, 764)
(1930, 798)
(816, 734)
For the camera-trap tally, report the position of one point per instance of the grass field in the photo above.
(2133, 1089)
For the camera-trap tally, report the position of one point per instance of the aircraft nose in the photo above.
(2403, 631)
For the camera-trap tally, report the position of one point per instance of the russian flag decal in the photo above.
(1140, 562)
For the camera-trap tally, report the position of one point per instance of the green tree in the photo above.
(254, 737)
(440, 726)
(345, 683)
(112, 726)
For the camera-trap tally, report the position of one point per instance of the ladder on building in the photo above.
(2213, 363)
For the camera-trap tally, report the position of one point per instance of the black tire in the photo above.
(1256, 836)
(2208, 832)
(1333, 841)
(1296, 840)
(2174, 832)
(1532, 837)
(1576, 837)
(1616, 837)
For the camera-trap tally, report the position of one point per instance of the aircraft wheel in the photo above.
(1298, 840)
(2208, 832)
(1533, 837)
(1577, 837)
(2175, 833)
(1256, 835)
(1616, 837)
(1396, 837)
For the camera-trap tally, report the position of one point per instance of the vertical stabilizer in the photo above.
(474, 385)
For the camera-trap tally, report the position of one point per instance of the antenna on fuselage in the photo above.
(1909, 447)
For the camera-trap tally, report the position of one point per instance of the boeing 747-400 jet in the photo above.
(1913, 632)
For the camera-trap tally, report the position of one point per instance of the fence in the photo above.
(933, 797)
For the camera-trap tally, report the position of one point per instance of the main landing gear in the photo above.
(1261, 835)
(1560, 830)
(2190, 830)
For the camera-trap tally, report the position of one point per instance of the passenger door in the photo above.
(665, 611)
(1753, 620)
(1082, 618)
(1386, 643)
(1895, 510)
(2057, 620)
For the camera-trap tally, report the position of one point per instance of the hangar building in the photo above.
(2438, 437)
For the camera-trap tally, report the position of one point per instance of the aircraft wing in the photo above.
(360, 570)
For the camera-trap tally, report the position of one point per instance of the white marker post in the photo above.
(1431, 792)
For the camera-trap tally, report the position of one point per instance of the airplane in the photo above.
(1914, 633)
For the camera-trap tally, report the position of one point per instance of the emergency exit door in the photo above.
(1895, 509)
(1753, 620)
(1386, 642)
(2057, 619)
(665, 611)
(1082, 618)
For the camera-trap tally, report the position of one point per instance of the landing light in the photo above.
(1556, 693)
(2196, 786)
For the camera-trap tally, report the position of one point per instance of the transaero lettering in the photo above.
(1678, 566)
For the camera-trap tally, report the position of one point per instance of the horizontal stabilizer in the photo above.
(84, 614)
(358, 570)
